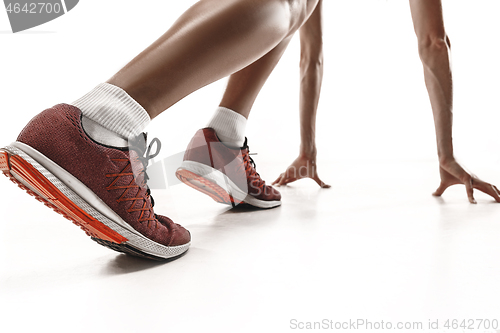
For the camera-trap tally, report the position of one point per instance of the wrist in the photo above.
(308, 151)
(445, 149)
(446, 158)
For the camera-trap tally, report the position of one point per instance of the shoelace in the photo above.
(250, 166)
(138, 144)
(145, 160)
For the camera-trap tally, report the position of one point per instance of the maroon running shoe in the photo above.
(101, 189)
(226, 174)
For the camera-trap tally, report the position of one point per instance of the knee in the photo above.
(433, 44)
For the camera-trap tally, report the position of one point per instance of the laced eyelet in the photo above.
(250, 166)
(144, 155)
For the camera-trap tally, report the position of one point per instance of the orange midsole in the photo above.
(221, 196)
(4, 161)
(48, 191)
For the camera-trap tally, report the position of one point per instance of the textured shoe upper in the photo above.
(206, 148)
(115, 175)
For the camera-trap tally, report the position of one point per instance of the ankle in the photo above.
(229, 127)
(110, 115)
(102, 135)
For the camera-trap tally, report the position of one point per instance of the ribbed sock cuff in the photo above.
(229, 126)
(112, 108)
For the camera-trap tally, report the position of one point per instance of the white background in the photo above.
(374, 103)
(376, 145)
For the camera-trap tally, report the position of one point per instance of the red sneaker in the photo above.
(226, 174)
(101, 189)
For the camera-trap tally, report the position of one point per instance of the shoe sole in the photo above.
(57, 189)
(217, 185)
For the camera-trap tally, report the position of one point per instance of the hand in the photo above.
(452, 173)
(302, 167)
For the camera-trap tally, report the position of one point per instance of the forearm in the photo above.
(311, 76)
(434, 51)
(435, 57)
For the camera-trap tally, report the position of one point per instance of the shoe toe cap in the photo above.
(181, 236)
(276, 195)
(178, 235)
(269, 193)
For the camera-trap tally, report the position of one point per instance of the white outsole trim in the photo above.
(226, 183)
(88, 201)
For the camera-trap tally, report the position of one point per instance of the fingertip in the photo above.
(278, 180)
(437, 193)
(320, 182)
(496, 192)
(440, 190)
(470, 192)
(471, 199)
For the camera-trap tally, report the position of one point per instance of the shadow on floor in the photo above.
(125, 264)
(245, 208)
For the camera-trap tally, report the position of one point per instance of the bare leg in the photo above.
(244, 86)
(211, 40)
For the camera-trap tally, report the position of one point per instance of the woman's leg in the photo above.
(244, 86)
(211, 40)
(85, 144)
(230, 118)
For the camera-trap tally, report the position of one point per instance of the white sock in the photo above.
(111, 116)
(229, 126)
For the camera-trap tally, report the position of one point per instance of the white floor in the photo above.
(376, 246)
